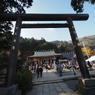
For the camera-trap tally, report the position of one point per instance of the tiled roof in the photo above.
(68, 55)
(44, 54)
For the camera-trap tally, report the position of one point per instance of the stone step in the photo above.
(46, 82)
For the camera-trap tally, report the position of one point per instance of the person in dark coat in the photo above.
(89, 64)
(40, 71)
(60, 68)
(37, 71)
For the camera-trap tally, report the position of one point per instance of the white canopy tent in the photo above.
(92, 58)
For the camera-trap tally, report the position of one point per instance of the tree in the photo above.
(26, 53)
(27, 45)
(46, 46)
(61, 49)
(33, 44)
(5, 35)
(5, 42)
(87, 51)
(65, 47)
(14, 6)
(9, 6)
(42, 41)
(3, 60)
(78, 4)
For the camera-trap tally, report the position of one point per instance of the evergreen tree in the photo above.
(78, 4)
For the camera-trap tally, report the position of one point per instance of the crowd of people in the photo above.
(70, 65)
(39, 69)
(59, 67)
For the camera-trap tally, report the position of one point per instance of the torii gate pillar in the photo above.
(79, 54)
(11, 70)
(86, 85)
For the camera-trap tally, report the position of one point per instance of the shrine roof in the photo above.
(44, 54)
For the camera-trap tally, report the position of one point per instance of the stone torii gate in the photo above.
(43, 17)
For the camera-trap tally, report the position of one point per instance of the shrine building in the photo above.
(43, 56)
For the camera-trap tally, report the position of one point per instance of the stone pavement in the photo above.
(50, 84)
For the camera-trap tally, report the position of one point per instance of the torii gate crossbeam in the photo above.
(58, 25)
(43, 17)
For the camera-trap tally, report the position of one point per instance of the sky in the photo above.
(83, 28)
